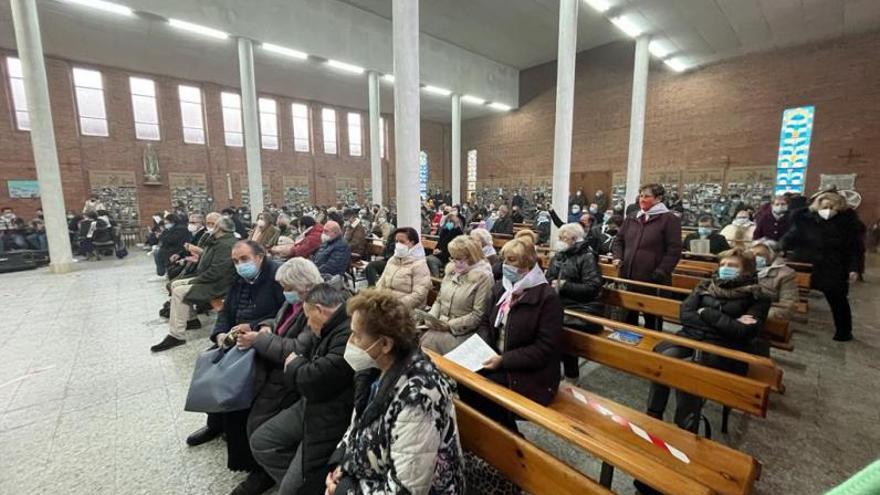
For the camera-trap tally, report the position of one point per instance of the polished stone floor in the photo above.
(86, 408)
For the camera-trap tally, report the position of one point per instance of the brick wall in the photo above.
(695, 120)
(77, 154)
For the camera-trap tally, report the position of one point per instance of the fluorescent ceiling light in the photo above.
(600, 6)
(354, 69)
(105, 6)
(198, 29)
(287, 52)
(388, 77)
(473, 99)
(676, 64)
(626, 24)
(660, 48)
(499, 106)
(437, 91)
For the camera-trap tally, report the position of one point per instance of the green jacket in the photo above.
(215, 271)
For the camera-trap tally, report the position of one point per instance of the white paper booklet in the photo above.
(471, 354)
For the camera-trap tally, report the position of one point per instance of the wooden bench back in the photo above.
(709, 467)
(520, 461)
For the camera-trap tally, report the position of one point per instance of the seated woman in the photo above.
(728, 310)
(463, 298)
(406, 274)
(448, 230)
(403, 437)
(778, 280)
(265, 233)
(524, 326)
(484, 240)
(575, 275)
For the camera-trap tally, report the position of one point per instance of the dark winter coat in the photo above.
(215, 271)
(832, 246)
(717, 323)
(261, 302)
(649, 250)
(769, 227)
(445, 236)
(333, 257)
(326, 384)
(581, 281)
(530, 361)
(504, 225)
(172, 240)
(717, 242)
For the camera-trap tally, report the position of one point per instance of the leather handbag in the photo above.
(223, 381)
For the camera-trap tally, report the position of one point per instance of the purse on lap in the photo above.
(223, 381)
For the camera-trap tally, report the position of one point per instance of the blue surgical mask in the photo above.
(247, 269)
(704, 231)
(450, 226)
(511, 273)
(291, 297)
(760, 262)
(727, 272)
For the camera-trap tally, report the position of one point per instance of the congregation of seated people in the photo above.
(340, 309)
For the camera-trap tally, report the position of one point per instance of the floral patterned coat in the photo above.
(403, 440)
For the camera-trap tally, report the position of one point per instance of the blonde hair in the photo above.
(523, 250)
(464, 246)
(527, 233)
(745, 257)
(837, 201)
(483, 236)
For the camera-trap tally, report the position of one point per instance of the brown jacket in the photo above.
(408, 278)
(649, 250)
(780, 284)
(356, 237)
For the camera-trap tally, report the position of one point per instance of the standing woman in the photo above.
(406, 274)
(524, 326)
(648, 245)
(265, 233)
(827, 235)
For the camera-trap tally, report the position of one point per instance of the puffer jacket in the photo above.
(405, 440)
(461, 304)
(780, 284)
(408, 278)
(722, 303)
(333, 257)
(832, 246)
(578, 278)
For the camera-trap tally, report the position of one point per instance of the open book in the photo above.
(471, 353)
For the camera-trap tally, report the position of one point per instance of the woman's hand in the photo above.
(436, 251)
(246, 340)
(332, 480)
(437, 326)
(290, 358)
(493, 363)
(747, 320)
(219, 339)
(242, 328)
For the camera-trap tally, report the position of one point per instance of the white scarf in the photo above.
(489, 251)
(657, 209)
(533, 278)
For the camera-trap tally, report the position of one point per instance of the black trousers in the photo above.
(489, 408)
(238, 448)
(651, 322)
(838, 299)
(374, 270)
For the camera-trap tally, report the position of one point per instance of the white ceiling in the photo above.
(516, 34)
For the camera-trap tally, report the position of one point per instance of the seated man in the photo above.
(214, 275)
(295, 445)
(355, 234)
(717, 242)
(334, 255)
(503, 225)
(36, 238)
(11, 231)
(254, 296)
(184, 263)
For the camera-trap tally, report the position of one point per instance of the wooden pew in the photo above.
(602, 428)
(520, 461)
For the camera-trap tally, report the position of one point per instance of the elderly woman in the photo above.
(728, 310)
(741, 230)
(403, 436)
(575, 275)
(463, 298)
(827, 235)
(778, 280)
(524, 326)
(265, 232)
(406, 274)
(484, 240)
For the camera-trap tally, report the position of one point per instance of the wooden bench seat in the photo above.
(662, 455)
(520, 461)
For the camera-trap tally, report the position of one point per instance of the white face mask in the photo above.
(193, 228)
(741, 221)
(827, 213)
(325, 238)
(261, 224)
(562, 245)
(401, 250)
(359, 359)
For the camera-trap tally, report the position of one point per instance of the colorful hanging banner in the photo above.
(794, 149)
(423, 175)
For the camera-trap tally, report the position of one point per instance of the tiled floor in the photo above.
(86, 408)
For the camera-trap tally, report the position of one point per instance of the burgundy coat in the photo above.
(649, 250)
(767, 226)
(530, 362)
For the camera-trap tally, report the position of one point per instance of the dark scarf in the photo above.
(737, 288)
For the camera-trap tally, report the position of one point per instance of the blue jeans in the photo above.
(12, 241)
(161, 263)
(38, 241)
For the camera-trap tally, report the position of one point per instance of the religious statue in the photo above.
(151, 166)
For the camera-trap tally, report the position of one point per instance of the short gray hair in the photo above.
(325, 295)
(299, 274)
(483, 236)
(575, 230)
(226, 224)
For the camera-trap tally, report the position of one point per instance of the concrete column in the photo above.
(456, 148)
(30, 51)
(405, 42)
(250, 117)
(375, 143)
(637, 119)
(565, 65)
